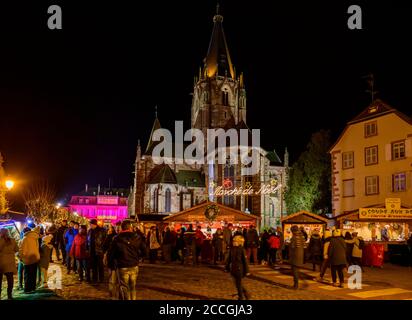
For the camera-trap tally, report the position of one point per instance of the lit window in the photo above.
(349, 188)
(372, 185)
(347, 160)
(399, 182)
(371, 155)
(398, 150)
(371, 129)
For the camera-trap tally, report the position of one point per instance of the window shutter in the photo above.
(408, 180)
(408, 148)
(388, 184)
(388, 152)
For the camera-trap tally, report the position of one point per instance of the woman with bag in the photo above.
(8, 249)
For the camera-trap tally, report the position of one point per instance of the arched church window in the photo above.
(271, 209)
(225, 98)
(168, 200)
(205, 97)
(155, 198)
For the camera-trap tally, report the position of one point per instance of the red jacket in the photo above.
(79, 247)
(274, 242)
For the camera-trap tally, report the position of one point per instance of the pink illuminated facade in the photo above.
(107, 206)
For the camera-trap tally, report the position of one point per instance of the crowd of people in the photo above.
(87, 252)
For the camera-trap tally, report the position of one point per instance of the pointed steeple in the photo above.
(286, 158)
(218, 60)
(156, 125)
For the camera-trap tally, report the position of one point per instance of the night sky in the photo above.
(74, 102)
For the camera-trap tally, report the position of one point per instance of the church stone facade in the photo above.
(219, 101)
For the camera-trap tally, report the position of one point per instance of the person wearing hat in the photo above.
(29, 254)
(337, 257)
(95, 241)
(237, 265)
(45, 250)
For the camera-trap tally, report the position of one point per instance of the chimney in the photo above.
(86, 188)
(98, 189)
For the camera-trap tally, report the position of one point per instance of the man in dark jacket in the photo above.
(61, 245)
(237, 265)
(126, 249)
(252, 244)
(296, 254)
(337, 257)
(95, 241)
(315, 249)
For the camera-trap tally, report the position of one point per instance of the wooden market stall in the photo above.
(210, 216)
(380, 226)
(309, 221)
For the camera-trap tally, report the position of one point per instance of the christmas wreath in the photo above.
(211, 212)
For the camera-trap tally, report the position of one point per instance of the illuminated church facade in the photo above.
(219, 101)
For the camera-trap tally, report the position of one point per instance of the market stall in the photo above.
(383, 229)
(309, 221)
(210, 216)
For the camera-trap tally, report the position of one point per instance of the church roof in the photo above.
(162, 174)
(190, 178)
(273, 157)
(218, 58)
(151, 144)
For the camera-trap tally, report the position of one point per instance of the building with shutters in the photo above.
(372, 160)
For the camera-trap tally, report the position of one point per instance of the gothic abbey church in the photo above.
(219, 101)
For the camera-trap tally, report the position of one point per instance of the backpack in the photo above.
(361, 244)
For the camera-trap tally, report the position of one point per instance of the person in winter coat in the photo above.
(124, 255)
(153, 243)
(315, 249)
(8, 249)
(29, 254)
(349, 247)
(95, 240)
(180, 245)
(20, 268)
(217, 243)
(282, 244)
(80, 253)
(60, 243)
(69, 238)
(274, 245)
(325, 263)
(45, 250)
(337, 257)
(238, 266)
(252, 244)
(296, 253)
(264, 246)
(167, 245)
(357, 249)
(304, 233)
(227, 239)
(199, 238)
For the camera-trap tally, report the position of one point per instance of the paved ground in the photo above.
(175, 282)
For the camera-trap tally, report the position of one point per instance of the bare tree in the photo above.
(40, 202)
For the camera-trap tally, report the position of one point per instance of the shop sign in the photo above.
(393, 203)
(383, 213)
(106, 217)
(107, 200)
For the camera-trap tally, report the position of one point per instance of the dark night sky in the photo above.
(74, 102)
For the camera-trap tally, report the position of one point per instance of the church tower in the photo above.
(219, 96)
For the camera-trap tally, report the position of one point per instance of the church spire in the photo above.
(218, 60)
(156, 125)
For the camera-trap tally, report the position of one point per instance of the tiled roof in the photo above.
(162, 174)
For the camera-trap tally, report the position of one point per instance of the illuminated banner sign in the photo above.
(383, 213)
(106, 217)
(107, 200)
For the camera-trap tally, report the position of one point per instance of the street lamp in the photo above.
(9, 184)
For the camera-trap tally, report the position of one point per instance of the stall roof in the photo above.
(304, 217)
(14, 215)
(197, 213)
(354, 214)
